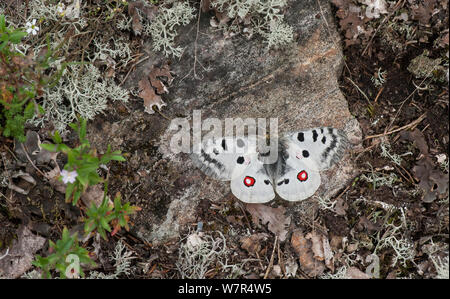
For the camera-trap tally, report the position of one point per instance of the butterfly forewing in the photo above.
(325, 146)
(219, 157)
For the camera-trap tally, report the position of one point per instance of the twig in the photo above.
(132, 67)
(83, 50)
(378, 94)
(160, 113)
(32, 164)
(271, 258)
(404, 101)
(245, 216)
(410, 179)
(343, 192)
(359, 89)
(196, 37)
(259, 260)
(413, 124)
(280, 260)
(5, 255)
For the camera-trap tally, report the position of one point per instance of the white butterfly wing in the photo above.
(296, 179)
(325, 146)
(252, 184)
(221, 157)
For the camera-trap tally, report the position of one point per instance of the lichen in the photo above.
(84, 93)
(122, 263)
(423, 67)
(265, 16)
(163, 28)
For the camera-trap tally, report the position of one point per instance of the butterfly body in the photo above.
(295, 175)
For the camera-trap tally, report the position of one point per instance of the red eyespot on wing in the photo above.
(302, 176)
(249, 181)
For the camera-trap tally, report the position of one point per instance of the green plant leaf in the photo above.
(49, 147)
(57, 138)
(16, 36)
(2, 23)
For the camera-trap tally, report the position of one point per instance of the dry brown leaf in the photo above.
(235, 220)
(433, 181)
(206, 5)
(94, 195)
(157, 83)
(277, 221)
(366, 224)
(291, 267)
(423, 12)
(150, 97)
(52, 177)
(24, 61)
(148, 85)
(417, 137)
(444, 40)
(24, 185)
(303, 248)
(341, 207)
(222, 17)
(253, 243)
(316, 245)
(355, 273)
(110, 67)
(30, 147)
(321, 249)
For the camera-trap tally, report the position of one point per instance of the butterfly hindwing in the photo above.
(252, 184)
(325, 146)
(295, 179)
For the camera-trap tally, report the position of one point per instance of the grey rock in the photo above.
(17, 260)
(237, 77)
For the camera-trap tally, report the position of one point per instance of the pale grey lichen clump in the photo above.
(122, 259)
(162, 28)
(81, 90)
(79, 93)
(266, 17)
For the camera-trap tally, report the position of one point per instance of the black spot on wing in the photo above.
(315, 135)
(267, 182)
(240, 160)
(240, 143)
(305, 153)
(324, 139)
(224, 144)
(301, 136)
